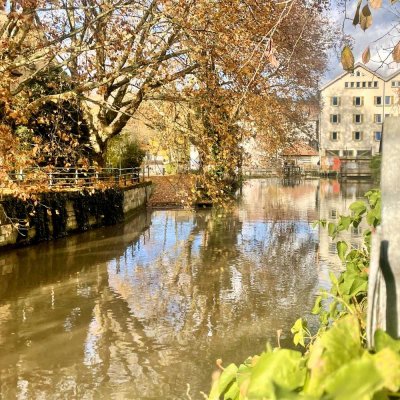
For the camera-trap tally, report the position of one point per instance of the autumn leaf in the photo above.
(396, 53)
(347, 59)
(366, 55)
(375, 3)
(356, 19)
(365, 18)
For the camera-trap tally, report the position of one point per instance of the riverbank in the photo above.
(60, 213)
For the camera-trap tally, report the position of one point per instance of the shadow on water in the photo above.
(138, 310)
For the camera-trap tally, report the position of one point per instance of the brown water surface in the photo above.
(140, 310)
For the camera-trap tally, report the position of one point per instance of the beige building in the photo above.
(354, 107)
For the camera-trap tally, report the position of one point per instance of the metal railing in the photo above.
(77, 177)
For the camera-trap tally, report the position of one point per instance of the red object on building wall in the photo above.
(336, 164)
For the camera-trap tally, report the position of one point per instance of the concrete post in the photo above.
(384, 279)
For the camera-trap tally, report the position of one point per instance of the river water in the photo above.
(142, 309)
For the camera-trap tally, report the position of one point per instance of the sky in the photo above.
(381, 36)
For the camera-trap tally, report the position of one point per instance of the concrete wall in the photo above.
(11, 235)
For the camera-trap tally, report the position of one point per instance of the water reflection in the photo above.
(137, 310)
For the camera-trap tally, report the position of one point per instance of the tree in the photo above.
(118, 53)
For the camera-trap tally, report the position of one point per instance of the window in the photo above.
(357, 136)
(335, 118)
(378, 100)
(335, 101)
(364, 153)
(395, 83)
(334, 136)
(378, 118)
(375, 84)
(352, 84)
(358, 84)
(333, 213)
(331, 152)
(357, 118)
(377, 136)
(356, 246)
(358, 73)
(369, 84)
(358, 101)
(332, 248)
(347, 153)
(346, 84)
(388, 100)
(364, 84)
(356, 231)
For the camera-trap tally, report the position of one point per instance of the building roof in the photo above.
(360, 65)
(299, 149)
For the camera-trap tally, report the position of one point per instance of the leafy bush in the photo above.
(336, 366)
(124, 153)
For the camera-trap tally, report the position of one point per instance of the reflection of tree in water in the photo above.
(194, 287)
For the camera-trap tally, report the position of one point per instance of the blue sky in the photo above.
(381, 36)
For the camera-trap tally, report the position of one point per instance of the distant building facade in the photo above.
(353, 108)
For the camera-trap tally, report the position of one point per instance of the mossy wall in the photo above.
(59, 213)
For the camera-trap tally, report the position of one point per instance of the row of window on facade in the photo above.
(356, 136)
(348, 153)
(364, 84)
(358, 118)
(358, 101)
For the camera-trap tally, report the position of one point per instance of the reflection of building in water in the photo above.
(151, 310)
(270, 200)
(334, 200)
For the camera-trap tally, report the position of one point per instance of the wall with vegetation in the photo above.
(58, 214)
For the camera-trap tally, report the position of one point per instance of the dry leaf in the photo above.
(365, 18)
(396, 53)
(356, 19)
(347, 59)
(366, 55)
(375, 3)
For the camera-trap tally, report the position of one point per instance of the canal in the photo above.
(140, 310)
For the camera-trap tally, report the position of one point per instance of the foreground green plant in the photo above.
(336, 363)
(336, 366)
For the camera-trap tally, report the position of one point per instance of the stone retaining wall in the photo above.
(60, 214)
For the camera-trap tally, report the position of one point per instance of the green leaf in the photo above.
(342, 249)
(358, 208)
(383, 340)
(359, 379)
(387, 363)
(233, 392)
(283, 367)
(344, 222)
(298, 329)
(331, 229)
(317, 305)
(337, 346)
(333, 278)
(222, 383)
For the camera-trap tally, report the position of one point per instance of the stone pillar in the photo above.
(384, 279)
